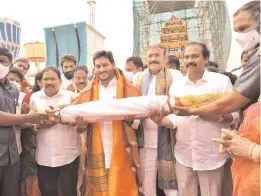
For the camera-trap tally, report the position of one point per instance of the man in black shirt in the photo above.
(9, 156)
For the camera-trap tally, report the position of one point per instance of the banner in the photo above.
(174, 29)
(172, 38)
(173, 23)
(175, 45)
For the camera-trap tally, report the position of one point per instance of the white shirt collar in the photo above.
(205, 77)
(113, 82)
(60, 92)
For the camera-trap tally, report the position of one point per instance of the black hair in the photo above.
(158, 46)
(205, 51)
(22, 60)
(38, 77)
(212, 69)
(231, 76)
(103, 53)
(68, 57)
(54, 69)
(254, 8)
(212, 64)
(136, 60)
(17, 72)
(5, 52)
(81, 67)
(173, 60)
(242, 55)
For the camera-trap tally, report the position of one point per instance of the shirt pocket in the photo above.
(7, 104)
(2, 103)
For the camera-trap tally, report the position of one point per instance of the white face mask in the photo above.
(3, 71)
(129, 76)
(248, 40)
(16, 84)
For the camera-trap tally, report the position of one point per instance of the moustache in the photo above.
(191, 64)
(49, 85)
(154, 62)
(102, 72)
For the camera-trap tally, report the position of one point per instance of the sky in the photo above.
(113, 19)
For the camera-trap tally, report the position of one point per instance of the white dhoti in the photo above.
(118, 109)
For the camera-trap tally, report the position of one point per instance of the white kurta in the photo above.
(194, 148)
(57, 145)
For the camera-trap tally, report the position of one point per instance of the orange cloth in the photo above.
(29, 187)
(27, 97)
(25, 88)
(121, 179)
(245, 172)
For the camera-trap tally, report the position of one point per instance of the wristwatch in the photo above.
(221, 119)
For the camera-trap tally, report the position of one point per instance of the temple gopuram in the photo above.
(174, 37)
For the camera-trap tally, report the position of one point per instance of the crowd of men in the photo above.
(171, 153)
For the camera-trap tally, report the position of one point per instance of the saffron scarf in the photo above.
(166, 137)
(120, 178)
(245, 172)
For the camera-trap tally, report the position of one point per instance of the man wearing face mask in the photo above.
(198, 161)
(9, 156)
(68, 62)
(112, 150)
(133, 68)
(16, 77)
(247, 88)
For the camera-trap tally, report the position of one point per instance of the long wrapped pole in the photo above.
(108, 110)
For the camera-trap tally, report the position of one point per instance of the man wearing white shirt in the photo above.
(79, 80)
(68, 62)
(198, 158)
(109, 153)
(56, 149)
(157, 80)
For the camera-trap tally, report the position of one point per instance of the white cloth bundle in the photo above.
(117, 109)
